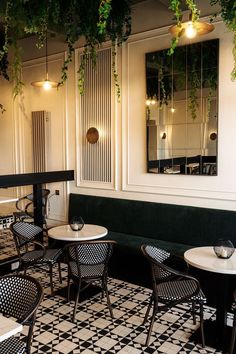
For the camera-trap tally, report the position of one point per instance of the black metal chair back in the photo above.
(24, 233)
(157, 256)
(88, 261)
(170, 287)
(24, 205)
(25, 237)
(20, 296)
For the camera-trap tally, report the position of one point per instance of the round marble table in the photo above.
(204, 258)
(88, 232)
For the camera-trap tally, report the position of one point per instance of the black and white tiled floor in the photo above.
(95, 332)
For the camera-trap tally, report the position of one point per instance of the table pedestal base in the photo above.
(211, 338)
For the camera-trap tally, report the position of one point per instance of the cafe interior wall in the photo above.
(130, 179)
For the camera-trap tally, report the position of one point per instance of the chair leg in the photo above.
(76, 303)
(148, 310)
(108, 298)
(155, 308)
(194, 311)
(68, 289)
(51, 280)
(30, 333)
(202, 325)
(59, 271)
(232, 342)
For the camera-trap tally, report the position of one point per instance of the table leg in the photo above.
(217, 334)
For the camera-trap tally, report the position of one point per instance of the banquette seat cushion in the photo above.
(174, 228)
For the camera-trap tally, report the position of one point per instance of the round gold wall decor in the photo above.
(92, 135)
(213, 136)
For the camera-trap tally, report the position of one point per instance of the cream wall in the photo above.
(206, 191)
(130, 178)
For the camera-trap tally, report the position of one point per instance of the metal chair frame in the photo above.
(83, 257)
(164, 279)
(20, 296)
(24, 204)
(24, 235)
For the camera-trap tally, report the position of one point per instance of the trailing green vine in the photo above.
(227, 12)
(95, 20)
(114, 70)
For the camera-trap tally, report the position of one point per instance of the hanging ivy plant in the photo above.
(95, 20)
(175, 6)
(227, 12)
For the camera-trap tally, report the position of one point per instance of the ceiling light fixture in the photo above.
(191, 29)
(46, 84)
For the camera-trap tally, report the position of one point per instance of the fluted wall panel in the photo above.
(96, 112)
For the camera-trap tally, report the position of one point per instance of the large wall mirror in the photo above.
(182, 109)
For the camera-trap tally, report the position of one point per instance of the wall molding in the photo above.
(139, 181)
(20, 147)
(79, 134)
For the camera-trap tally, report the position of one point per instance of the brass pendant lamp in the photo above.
(46, 84)
(191, 29)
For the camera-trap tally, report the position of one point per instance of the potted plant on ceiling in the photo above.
(95, 20)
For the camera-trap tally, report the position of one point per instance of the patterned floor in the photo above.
(95, 331)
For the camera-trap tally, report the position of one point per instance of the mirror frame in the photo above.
(166, 81)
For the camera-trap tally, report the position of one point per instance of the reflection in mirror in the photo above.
(181, 109)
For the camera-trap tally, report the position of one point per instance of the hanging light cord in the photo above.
(46, 47)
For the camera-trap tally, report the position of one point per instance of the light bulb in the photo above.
(190, 31)
(153, 102)
(172, 110)
(148, 102)
(47, 85)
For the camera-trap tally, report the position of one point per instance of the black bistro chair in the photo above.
(232, 343)
(88, 263)
(170, 287)
(25, 236)
(24, 206)
(20, 296)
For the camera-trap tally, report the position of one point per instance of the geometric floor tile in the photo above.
(94, 331)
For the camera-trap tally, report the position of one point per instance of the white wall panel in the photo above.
(135, 178)
(53, 101)
(95, 109)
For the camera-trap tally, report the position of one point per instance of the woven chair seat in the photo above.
(12, 346)
(88, 271)
(51, 256)
(179, 289)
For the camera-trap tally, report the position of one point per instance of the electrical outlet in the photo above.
(15, 265)
(57, 192)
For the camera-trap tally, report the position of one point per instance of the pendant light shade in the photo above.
(191, 29)
(46, 84)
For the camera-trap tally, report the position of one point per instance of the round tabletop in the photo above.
(206, 259)
(88, 232)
